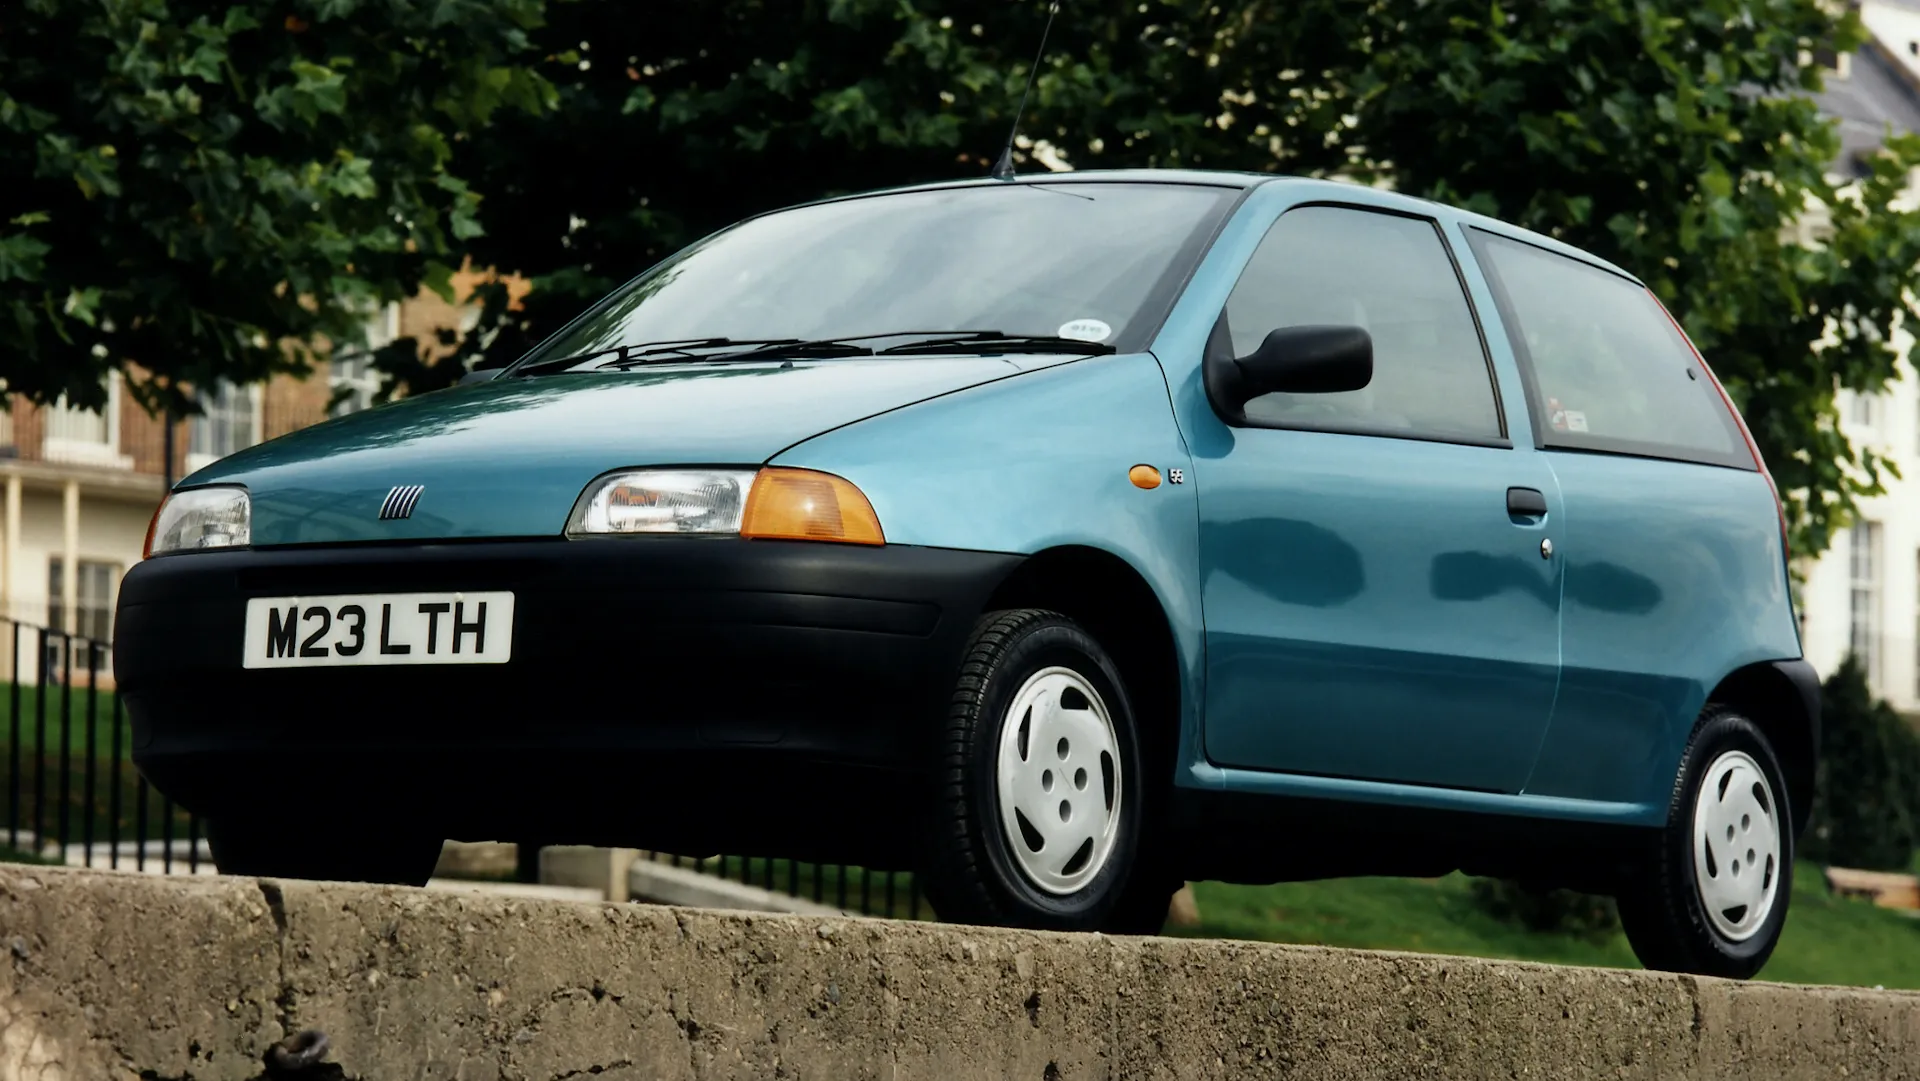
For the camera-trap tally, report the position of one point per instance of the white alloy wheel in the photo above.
(1059, 782)
(1736, 845)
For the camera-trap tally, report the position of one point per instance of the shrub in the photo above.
(1866, 810)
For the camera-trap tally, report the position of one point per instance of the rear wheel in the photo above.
(1036, 821)
(271, 846)
(1711, 894)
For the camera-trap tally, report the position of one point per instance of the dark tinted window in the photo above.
(1391, 275)
(1608, 371)
(1084, 260)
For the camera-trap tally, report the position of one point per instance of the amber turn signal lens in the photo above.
(800, 504)
(1144, 476)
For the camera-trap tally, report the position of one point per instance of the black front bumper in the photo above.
(648, 675)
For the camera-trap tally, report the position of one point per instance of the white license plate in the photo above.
(379, 628)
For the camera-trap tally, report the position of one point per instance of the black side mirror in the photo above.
(1292, 360)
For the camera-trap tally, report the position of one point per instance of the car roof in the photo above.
(1331, 190)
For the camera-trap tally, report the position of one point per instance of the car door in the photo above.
(1377, 603)
(1674, 567)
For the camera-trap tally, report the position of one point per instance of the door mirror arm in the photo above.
(1290, 360)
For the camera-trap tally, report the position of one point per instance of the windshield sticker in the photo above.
(1086, 330)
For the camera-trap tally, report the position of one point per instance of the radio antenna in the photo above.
(1003, 169)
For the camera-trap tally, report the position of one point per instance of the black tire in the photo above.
(971, 871)
(1662, 908)
(266, 846)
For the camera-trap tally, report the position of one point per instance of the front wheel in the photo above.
(1710, 896)
(333, 850)
(1036, 821)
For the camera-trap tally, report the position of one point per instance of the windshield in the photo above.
(1088, 260)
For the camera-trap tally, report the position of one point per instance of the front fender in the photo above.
(1038, 462)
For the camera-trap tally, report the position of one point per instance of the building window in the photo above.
(86, 436)
(1863, 636)
(351, 373)
(229, 421)
(93, 607)
(354, 382)
(74, 424)
(1865, 410)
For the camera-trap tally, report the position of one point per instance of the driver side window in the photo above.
(1391, 276)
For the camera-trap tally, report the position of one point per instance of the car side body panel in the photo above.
(1721, 599)
(1034, 463)
(1674, 579)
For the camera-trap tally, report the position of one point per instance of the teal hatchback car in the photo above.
(1061, 539)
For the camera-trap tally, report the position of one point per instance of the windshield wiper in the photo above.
(696, 349)
(1002, 343)
(844, 347)
(934, 342)
(784, 347)
(637, 351)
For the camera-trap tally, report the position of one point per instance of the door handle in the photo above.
(1526, 503)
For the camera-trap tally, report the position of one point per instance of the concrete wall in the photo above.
(123, 977)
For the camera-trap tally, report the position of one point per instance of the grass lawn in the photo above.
(1827, 940)
(75, 701)
(31, 759)
(14, 855)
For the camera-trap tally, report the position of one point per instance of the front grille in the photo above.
(316, 578)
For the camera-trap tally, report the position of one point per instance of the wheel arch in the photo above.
(1115, 603)
(1783, 698)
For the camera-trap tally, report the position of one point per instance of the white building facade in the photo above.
(78, 487)
(1862, 595)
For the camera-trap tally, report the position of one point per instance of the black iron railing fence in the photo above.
(894, 894)
(72, 792)
(73, 795)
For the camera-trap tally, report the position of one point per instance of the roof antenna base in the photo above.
(1003, 169)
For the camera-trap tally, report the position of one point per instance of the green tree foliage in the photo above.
(1866, 813)
(1675, 139)
(1673, 136)
(186, 183)
(187, 186)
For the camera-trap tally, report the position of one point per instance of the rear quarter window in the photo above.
(1605, 370)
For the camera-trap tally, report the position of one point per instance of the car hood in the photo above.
(508, 458)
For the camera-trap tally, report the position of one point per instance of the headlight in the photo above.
(770, 504)
(663, 501)
(201, 518)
